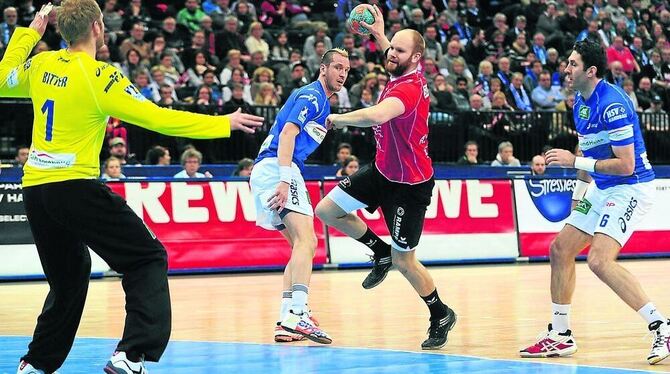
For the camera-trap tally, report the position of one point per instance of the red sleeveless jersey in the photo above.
(402, 143)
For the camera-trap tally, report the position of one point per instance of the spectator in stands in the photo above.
(470, 155)
(496, 86)
(22, 153)
(195, 75)
(644, 93)
(245, 15)
(158, 155)
(518, 97)
(261, 75)
(366, 99)
(538, 165)
(451, 13)
(230, 40)
(433, 47)
(656, 118)
(629, 89)
(607, 34)
(641, 56)
(500, 25)
(519, 28)
(298, 79)
(571, 22)
(505, 156)
(198, 45)
(117, 148)
(274, 13)
(552, 60)
(482, 85)
(280, 50)
(173, 37)
(9, 24)
(549, 26)
(135, 13)
(167, 96)
(460, 94)
(255, 41)
(459, 71)
(102, 55)
(132, 62)
(257, 60)
(453, 52)
(615, 74)
(112, 169)
(532, 76)
(441, 99)
(308, 48)
(546, 96)
(141, 81)
(620, 53)
(473, 15)
(204, 99)
(191, 15)
(191, 160)
(518, 51)
(344, 150)
(238, 76)
(501, 123)
(504, 72)
(266, 95)
(218, 11)
(475, 50)
(113, 19)
(237, 100)
(369, 82)
(314, 61)
(234, 61)
(244, 168)
(349, 167)
(171, 73)
(136, 41)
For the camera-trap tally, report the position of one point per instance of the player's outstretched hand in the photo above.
(245, 122)
(559, 157)
(377, 28)
(41, 19)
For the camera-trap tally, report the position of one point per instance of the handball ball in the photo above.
(358, 14)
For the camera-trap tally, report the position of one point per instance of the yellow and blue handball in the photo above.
(358, 14)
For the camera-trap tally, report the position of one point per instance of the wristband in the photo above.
(285, 174)
(586, 164)
(580, 190)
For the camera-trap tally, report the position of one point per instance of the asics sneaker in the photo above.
(284, 336)
(551, 344)
(380, 268)
(438, 331)
(304, 325)
(660, 348)
(120, 364)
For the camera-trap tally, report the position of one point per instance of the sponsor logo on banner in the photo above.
(550, 196)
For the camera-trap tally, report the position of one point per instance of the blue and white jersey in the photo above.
(608, 119)
(307, 108)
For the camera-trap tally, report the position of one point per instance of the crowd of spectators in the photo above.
(481, 56)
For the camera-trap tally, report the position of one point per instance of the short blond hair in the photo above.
(75, 18)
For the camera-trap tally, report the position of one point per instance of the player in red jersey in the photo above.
(400, 181)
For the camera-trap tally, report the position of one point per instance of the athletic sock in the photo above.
(299, 298)
(650, 313)
(560, 317)
(378, 246)
(438, 309)
(286, 301)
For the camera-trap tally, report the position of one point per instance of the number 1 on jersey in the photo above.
(48, 107)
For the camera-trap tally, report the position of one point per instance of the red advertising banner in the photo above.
(211, 225)
(457, 207)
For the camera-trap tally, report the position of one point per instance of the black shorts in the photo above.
(403, 205)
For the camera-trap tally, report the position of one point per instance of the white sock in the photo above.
(650, 313)
(285, 304)
(299, 297)
(560, 317)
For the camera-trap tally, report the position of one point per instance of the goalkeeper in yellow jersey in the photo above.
(68, 208)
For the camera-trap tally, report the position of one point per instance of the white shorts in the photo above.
(264, 179)
(615, 212)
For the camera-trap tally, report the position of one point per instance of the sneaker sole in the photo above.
(310, 337)
(433, 348)
(288, 339)
(378, 283)
(566, 353)
(656, 360)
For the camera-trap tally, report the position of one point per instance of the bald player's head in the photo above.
(407, 48)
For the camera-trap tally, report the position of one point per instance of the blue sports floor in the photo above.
(90, 354)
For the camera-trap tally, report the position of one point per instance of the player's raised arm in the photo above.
(14, 71)
(377, 28)
(118, 97)
(383, 112)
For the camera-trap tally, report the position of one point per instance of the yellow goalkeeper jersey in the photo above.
(73, 95)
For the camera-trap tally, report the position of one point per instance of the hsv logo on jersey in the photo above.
(550, 196)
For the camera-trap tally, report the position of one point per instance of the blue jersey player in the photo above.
(614, 191)
(281, 197)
